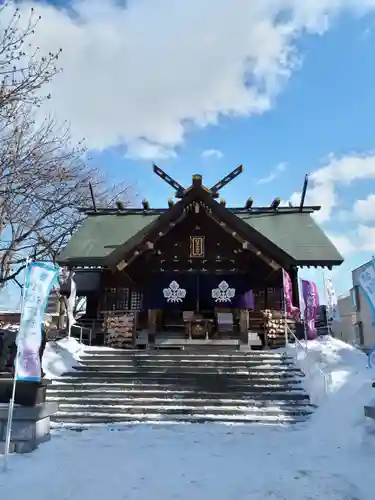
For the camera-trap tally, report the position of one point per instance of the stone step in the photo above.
(233, 390)
(103, 418)
(182, 355)
(157, 392)
(185, 364)
(119, 371)
(185, 409)
(176, 379)
(281, 377)
(99, 400)
(184, 373)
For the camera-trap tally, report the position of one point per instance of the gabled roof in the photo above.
(100, 235)
(289, 237)
(297, 234)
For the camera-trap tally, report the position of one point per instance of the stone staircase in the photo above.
(181, 386)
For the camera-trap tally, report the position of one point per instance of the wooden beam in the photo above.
(180, 190)
(150, 245)
(304, 191)
(121, 265)
(226, 180)
(246, 244)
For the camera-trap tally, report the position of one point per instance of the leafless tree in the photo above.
(43, 180)
(43, 177)
(24, 70)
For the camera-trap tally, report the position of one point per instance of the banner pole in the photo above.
(8, 431)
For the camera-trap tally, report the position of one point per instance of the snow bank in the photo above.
(337, 378)
(61, 356)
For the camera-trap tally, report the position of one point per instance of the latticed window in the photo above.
(122, 299)
(136, 301)
(110, 299)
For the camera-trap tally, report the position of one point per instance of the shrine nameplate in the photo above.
(196, 246)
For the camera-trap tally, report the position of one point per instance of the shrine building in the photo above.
(196, 273)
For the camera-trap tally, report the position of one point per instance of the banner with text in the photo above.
(290, 309)
(38, 283)
(311, 300)
(72, 302)
(366, 281)
(332, 303)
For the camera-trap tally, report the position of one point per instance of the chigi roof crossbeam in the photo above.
(181, 192)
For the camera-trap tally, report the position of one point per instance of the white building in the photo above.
(357, 317)
(344, 329)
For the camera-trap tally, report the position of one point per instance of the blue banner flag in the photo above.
(40, 278)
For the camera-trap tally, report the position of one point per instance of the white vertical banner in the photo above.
(39, 280)
(332, 302)
(366, 281)
(71, 302)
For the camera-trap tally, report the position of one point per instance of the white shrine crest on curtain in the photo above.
(174, 293)
(223, 293)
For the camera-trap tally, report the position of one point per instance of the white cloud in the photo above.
(366, 238)
(360, 239)
(212, 153)
(323, 182)
(343, 244)
(154, 68)
(365, 209)
(273, 175)
(145, 150)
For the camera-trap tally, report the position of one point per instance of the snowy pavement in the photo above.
(192, 462)
(330, 457)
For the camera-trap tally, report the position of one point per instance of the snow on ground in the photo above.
(331, 457)
(61, 356)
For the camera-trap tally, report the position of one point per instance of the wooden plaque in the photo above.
(196, 246)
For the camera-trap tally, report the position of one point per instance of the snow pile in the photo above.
(61, 356)
(338, 379)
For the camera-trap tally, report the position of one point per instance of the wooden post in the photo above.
(152, 316)
(152, 321)
(294, 279)
(244, 324)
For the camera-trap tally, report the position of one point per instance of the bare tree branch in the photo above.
(44, 178)
(23, 70)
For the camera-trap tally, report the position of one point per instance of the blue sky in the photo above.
(156, 83)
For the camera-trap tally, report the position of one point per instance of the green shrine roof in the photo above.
(100, 235)
(295, 233)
